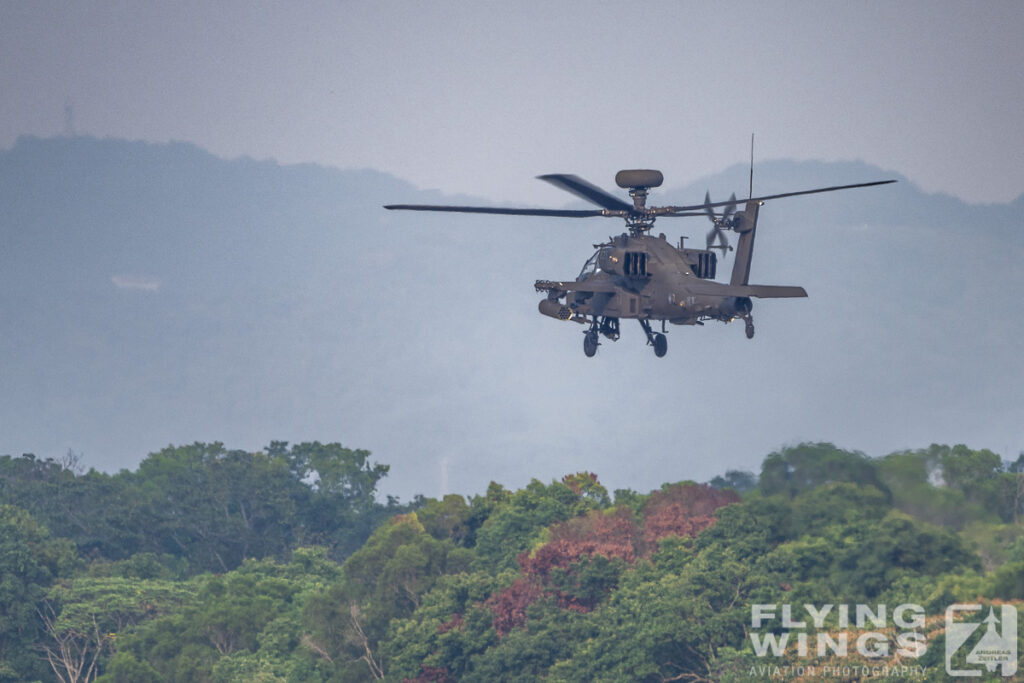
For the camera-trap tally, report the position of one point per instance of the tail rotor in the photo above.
(726, 220)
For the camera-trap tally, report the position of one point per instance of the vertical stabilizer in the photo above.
(747, 227)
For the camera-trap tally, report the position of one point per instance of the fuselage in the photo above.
(647, 277)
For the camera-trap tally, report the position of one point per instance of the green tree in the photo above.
(124, 667)
(83, 616)
(837, 503)
(663, 625)
(1007, 582)
(740, 481)
(247, 622)
(212, 506)
(338, 508)
(384, 580)
(218, 507)
(449, 629)
(97, 511)
(801, 468)
(30, 560)
(448, 518)
(526, 655)
(588, 488)
(516, 524)
(914, 477)
(953, 486)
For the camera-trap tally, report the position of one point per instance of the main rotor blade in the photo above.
(784, 194)
(581, 188)
(820, 189)
(499, 210)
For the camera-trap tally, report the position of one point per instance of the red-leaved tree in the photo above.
(583, 557)
(682, 510)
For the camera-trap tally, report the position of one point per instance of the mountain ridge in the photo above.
(155, 293)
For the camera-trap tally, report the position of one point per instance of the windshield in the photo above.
(592, 265)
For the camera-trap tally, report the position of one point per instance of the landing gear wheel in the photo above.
(657, 340)
(590, 343)
(750, 325)
(660, 345)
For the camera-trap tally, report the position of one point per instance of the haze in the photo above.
(481, 97)
(908, 337)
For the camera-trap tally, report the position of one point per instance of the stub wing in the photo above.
(574, 286)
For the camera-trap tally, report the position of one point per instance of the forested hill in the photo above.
(210, 564)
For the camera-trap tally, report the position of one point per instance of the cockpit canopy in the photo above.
(593, 264)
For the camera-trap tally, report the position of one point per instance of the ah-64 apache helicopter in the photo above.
(639, 276)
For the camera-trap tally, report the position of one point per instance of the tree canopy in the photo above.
(210, 564)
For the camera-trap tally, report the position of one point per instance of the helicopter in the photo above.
(639, 276)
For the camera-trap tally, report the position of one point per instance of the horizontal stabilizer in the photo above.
(768, 291)
(707, 288)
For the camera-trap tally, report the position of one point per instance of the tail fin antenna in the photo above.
(751, 167)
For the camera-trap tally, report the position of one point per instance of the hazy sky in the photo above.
(479, 97)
